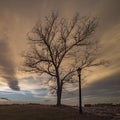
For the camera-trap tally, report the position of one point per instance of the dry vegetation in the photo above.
(42, 112)
(111, 112)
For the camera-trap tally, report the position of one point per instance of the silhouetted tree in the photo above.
(53, 44)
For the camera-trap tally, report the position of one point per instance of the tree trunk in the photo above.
(59, 90)
(80, 96)
(58, 97)
(59, 94)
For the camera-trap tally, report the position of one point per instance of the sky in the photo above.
(17, 18)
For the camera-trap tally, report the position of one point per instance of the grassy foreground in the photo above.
(42, 112)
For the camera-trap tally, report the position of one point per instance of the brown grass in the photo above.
(42, 112)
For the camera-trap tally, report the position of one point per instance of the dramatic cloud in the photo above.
(17, 19)
(7, 67)
(110, 86)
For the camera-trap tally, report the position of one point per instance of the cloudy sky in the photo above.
(17, 17)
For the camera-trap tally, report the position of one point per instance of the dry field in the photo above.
(43, 112)
(111, 112)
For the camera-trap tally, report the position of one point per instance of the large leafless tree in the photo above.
(56, 48)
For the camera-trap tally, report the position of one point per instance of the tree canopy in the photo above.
(58, 47)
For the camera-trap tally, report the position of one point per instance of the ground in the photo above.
(111, 112)
(43, 112)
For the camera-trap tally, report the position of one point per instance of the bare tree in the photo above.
(53, 44)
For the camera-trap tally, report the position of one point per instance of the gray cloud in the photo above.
(7, 66)
(109, 86)
(41, 92)
(104, 90)
(110, 12)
